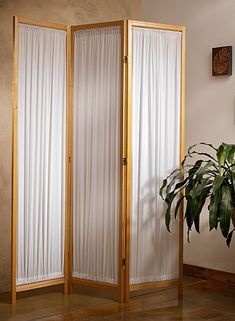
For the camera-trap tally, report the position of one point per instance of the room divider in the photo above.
(98, 122)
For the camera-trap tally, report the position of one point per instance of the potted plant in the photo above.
(211, 177)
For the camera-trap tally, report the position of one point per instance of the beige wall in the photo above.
(62, 11)
(210, 102)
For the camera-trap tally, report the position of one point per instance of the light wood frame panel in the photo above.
(123, 155)
(38, 285)
(43, 24)
(95, 284)
(14, 158)
(123, 288)
(70, 153)
(179, 281)
(153, 285)
(65, 279)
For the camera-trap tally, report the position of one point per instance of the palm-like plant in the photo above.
(212, 178)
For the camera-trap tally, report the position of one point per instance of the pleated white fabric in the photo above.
(41, 154)
(96, 181)
(155, 151)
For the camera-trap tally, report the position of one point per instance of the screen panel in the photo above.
(96, 153)
(41, 153)
(155, 151)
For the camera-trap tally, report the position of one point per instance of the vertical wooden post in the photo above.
(182, 152)
(68, 168)
(14, 158)
(123, 167)
(70, 135)
(129, 158)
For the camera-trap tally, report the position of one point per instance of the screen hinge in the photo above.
(125, 59)
(124, 161)
(124, 264)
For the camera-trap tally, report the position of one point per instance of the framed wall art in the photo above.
(222, 61)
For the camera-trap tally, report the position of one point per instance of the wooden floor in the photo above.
(201, 301)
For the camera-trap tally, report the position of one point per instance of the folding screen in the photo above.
(97, 143)
(96, 130)
(155, 136)
(40, 155)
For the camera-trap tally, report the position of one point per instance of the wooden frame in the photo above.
(182, 153)
(70, 152)
(95, 284)
(68, 187)
(40, 284)
(129, 158)
(65, 280)
(14, 158)
(157, 284)
(153, 285)
(121, 265)
(123, 288)
(43, 24)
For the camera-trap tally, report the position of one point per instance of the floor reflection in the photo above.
(201, 301)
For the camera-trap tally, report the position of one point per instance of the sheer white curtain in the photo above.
(41, 154)
(155, 151)
(96, 181)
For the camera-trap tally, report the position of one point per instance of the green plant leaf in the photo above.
(214, 208)
(196, 191)
(189, 213)
(169, 200)
(195, 168)
(168, 217)
(232, 167)
(162, 187)
(178, 205)
(191, 210)
(210, 145)
(212, 177)
(204, 168)
(201, 202)
(171, 178)
(197, 223)
(203, 154)
(226, 208)
(174, 179)
(222, 154)
(231, 155)
(229, 238)
(196, 194)
(217, 183)
(233, 184)
(180, 184)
